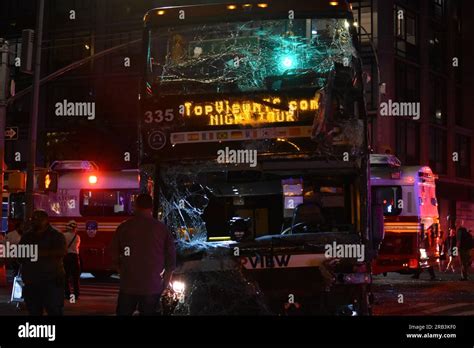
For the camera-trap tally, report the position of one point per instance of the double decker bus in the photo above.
(412, 235)
(254, 128)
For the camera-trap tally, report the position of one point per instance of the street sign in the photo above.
(11, 133)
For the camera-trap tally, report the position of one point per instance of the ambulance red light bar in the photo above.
(395, 175)
(92, 179)
(410, 179)
(74, 166)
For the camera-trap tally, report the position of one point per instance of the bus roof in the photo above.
(404, 175)
(74, 165)
(244, 11)
(384, 160)
(129, 179)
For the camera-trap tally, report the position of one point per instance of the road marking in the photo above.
(465, 313)
(406, 308)
(97, 290)
(443, 308)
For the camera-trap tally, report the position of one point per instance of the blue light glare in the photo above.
(288, 61)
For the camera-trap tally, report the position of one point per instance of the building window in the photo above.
(463, 149)
(459, 111)
(71, 14)
(367, 32)
(437, 50)
(406, 33)
(438, 100)
(438, 9)
(407, 84)
(371, 88)
(115, 62)
(71, 47)
(363, 14)
(457, 34)
(438, 150)
(127, 10)
(408, 142)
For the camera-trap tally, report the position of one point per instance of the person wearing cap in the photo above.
(143, 251)
(71, 260)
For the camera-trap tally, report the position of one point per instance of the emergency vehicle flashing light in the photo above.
(92, 179)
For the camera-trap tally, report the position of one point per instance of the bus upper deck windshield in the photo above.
(246, 56)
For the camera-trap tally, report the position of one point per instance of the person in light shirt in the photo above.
(71, 260)
(14, 237)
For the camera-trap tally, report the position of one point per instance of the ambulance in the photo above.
(97, 200)
(411, 220)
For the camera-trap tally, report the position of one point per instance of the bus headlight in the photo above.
(178, 286)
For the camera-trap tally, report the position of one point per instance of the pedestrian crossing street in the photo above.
(429, 308)
(99, 290)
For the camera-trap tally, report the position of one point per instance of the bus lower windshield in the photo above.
(201, 204)
(246, 56)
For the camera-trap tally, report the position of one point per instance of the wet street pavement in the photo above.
(399, 294)
(394, 295)
(98, 297)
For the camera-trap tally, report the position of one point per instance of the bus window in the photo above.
(107, 202)
(391, 198)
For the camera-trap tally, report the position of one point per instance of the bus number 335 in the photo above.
(159, 116)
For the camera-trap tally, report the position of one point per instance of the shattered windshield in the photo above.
(248, 56)
(200, 200)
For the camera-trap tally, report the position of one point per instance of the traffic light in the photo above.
(27, 43)
(15, 181)
(46, 181)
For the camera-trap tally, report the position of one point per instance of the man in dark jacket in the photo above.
(44, 277)
(142, 249)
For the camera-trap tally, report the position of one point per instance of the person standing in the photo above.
(14, 237)
(71, 260)
(451, 249)
(425, 244)
(44, 277)
(464, 246)
(142, 249)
